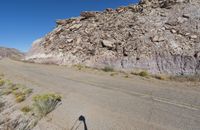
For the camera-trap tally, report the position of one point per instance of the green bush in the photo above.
(44, 104)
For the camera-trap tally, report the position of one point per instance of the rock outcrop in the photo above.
(10, 53)
(161, 36)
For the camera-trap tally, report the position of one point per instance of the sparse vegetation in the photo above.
(41, 106)
(108, 69)
(45, 103)
(2, 82)
(6, 92)
(186, 78)
(141, 73)
(19, 91)
(26, 109)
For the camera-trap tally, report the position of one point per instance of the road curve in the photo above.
(109, 103)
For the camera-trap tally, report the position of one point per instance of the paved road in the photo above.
(109, 103)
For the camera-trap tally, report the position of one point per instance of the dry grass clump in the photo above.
(108, 69)
(21, 93)
(20, 98)
(26, 109)
(45, 103)
(141, 73)
(161, 77)
(2, 82)
(6, 92)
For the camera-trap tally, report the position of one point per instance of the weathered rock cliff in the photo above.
(161, 36)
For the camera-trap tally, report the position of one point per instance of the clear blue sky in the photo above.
(23, 21)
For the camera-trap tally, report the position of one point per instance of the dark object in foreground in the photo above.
(82, 118)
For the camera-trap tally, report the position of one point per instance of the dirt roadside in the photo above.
(109, 103)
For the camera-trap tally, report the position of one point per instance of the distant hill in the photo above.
(10, 53)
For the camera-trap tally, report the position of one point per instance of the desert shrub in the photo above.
(44, 104)
(2, 82)
(21, 93)
(20, 98)
(26, 109)
(143, 74)
(108, 69)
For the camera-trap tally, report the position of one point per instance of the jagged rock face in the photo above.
(161, 36)
(10, 53)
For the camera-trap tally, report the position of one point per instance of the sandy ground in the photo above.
(109, 103)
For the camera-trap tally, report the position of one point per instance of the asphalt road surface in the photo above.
(109, 103)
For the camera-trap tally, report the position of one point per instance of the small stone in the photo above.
(173, 31)
(186, 16)
(187, 34)
(109, 10)
(181, 20)
(193, 36)
(108, 44)
(120, 10)
(88, 14)
(69, 40)
(157, 38)
(75, 26)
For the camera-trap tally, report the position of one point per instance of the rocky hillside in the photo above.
(10, 53)
(161, 36)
